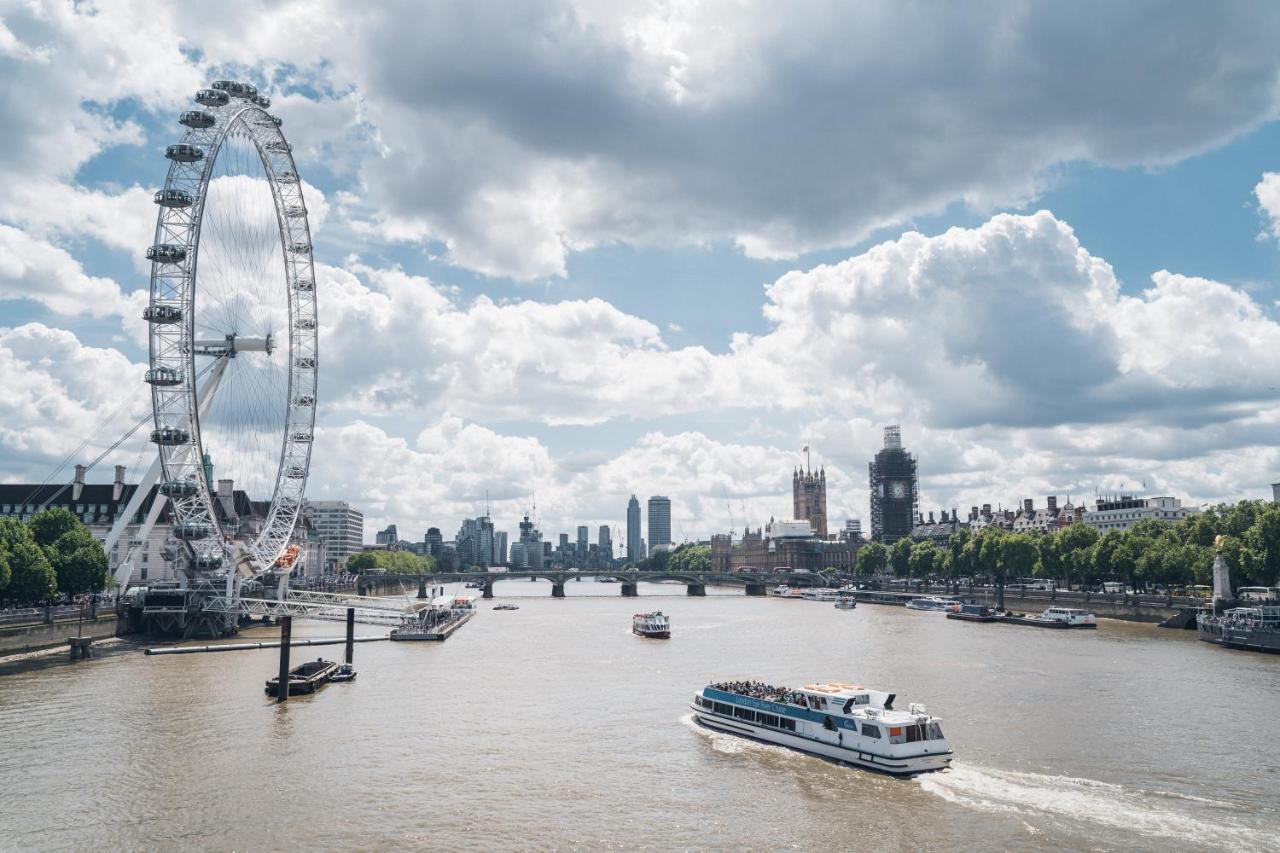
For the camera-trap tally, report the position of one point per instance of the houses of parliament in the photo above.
(809, 499)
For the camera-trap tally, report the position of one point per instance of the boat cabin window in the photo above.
(744, 714)
(935, 731)
(722, 708)
(787, 724)
(829, 724)
(871, 730)
(770, 720)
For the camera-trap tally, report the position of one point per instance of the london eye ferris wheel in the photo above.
(233, 332)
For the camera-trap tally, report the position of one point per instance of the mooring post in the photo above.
(351, 633)
(286, 631)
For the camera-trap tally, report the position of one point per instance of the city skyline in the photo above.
(1099, 311)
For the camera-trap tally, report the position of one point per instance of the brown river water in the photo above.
(553, 727)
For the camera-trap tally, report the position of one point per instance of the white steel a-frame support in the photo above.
(124, 568)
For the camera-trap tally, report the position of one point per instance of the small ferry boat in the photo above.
(654, 625)
(934, 604)
(306, 677)
(820, 593)
(506, 607)
(974, 613)
(846, 603)
(1072, 617)
(845, 722)
(1054, 617)
(1255, 629)
(346, 672)
(784, 591)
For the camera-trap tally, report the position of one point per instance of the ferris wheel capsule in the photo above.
(212, 98)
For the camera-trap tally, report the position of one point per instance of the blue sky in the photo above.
(575, 252)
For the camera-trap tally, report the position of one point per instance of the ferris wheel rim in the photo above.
(228, 108)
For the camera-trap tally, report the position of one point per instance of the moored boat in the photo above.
(782, 590)
(506, 607)
(820, 593)
(1255, 629)
(846, 603)
(845, 722)
(305, 677)
(654, 625)
(974, 613)
(345, 672)
(1073, 617)
(934, 604)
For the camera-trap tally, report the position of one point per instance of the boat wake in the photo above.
(728, 744)
(1090, 804)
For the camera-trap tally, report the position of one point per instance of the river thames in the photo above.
(554, 727)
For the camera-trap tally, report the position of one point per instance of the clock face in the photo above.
(898, 490)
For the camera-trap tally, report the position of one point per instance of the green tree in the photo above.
(79, 562)
(872, 559)
(690, 558)
(1263, 539)
(923, 560)
(1124, 562)
(5, 573)
(50, 525)
(1050, 559)
(32, 578)
(1075, 542)
(1017, 556)
(1104, 553)
(362, 562)
(77, 558)
(959, 562)
(900, 557)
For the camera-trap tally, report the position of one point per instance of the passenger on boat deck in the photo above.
(759, 690)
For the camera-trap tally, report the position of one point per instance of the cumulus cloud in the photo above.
(58, 394)
(397, 343)
(516, 136)
(32, 269)
(1267, 192)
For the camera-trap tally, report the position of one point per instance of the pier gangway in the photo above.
(306, 604)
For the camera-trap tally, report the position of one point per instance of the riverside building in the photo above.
(635, 547)
(809, 498)
(1120, 512)
(659, 524)
(339, 525)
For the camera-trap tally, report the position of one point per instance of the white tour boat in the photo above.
(656, 625)
(820, 593)
(934, 604)
(846, 603)
(845, 722)
(784, 591)
(1072, 617)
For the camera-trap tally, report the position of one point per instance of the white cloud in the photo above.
(59, 393)
(1267, 192)
(34, 270)
(515, 137)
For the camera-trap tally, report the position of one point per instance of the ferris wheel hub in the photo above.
(232, 344)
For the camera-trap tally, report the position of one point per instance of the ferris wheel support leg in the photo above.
(126, 515)
(125, 570)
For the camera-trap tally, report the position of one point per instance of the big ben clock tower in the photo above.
(895, 489)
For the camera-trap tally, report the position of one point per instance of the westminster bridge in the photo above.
(696, 583)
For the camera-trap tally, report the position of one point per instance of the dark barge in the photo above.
(305, 678)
